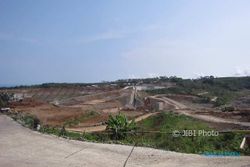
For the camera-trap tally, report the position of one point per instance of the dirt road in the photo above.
(182, 109)
(103, 127)
(24, 148)
(179, 108)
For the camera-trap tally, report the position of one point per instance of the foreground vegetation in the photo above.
(168, 122)
(155, 132)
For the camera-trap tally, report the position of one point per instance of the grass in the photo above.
(167, 122)
(170, 121)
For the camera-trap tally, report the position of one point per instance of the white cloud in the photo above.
(133, 76)
(242, 71)
(153, 75)
(148, 75)
(199, 74)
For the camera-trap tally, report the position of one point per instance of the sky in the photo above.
(103, 40)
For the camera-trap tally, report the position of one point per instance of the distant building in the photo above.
(148, 87)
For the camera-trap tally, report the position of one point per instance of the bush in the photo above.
(63, 132)
(219, 102)
(31, 121)
(228, 109)
(205, 100)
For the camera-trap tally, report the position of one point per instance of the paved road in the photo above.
(24, 148)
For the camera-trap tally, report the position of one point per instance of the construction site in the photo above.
(124, 83)
(88, 108)
(155, 108)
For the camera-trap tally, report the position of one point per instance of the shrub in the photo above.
(30, 121)
(205, 100)
(220, 101)
(63, 132)
(228, 109)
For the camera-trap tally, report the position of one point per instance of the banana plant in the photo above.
(120, 126)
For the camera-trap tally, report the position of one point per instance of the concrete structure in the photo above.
(4, 110)
(245, 142)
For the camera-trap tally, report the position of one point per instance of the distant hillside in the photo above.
(230, 83)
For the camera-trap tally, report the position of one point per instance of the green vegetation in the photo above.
(220, 101)
(166, 123)
(31, 121)
(226, 89)
(228, 109)
(155, 131)
(171, 90)
(63, 132)
(4, 99)
(26, 120)
(120, 126)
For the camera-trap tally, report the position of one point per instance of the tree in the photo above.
(4, 99)
(120, 126)
(220, 101)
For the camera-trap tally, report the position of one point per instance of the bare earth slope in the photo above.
(24, 148)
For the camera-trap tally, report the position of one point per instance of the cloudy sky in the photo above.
(91, 40)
